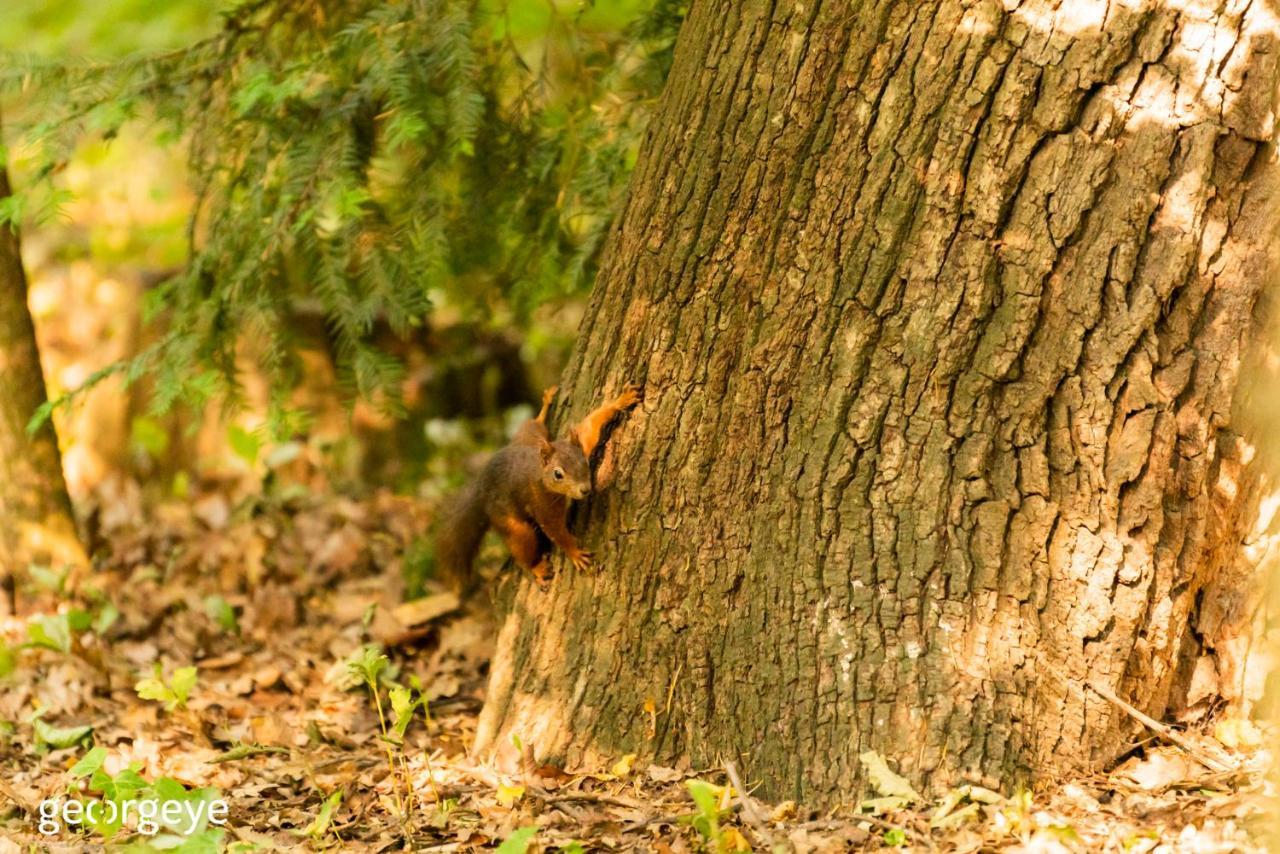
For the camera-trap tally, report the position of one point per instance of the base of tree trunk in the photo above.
(941, 309)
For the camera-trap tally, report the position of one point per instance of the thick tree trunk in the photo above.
(940, 307)
(36, 522)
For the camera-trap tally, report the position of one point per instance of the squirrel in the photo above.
(523, 493)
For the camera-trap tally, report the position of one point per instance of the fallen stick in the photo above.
(749, 810)
(1163, 730)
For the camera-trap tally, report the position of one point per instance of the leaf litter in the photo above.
(289, 610)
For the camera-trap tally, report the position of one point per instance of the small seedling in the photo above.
(369, 667)
(173, 693)
(320, 824)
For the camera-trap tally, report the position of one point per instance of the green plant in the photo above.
(184, 829)
(173, 693)
(319, 825)
(49, 736)
(706, 797)
(369, 667)
(895, 837)
(362, 160)
(220, 611)
(518, 841)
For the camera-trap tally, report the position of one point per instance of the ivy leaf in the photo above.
(89, 763)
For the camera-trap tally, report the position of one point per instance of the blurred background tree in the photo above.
(406, 199)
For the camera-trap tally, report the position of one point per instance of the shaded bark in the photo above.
(940, 307)
(36, 521)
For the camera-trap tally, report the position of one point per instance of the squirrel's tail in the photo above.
(458, 534)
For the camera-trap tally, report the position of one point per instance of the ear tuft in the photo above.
(546, 450)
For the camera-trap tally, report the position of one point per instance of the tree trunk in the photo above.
(940, 308)
(36, 522)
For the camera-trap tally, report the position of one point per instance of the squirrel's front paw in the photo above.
(631, 395)
(581, 559)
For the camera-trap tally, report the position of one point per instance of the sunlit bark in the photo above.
(36, 522)
(940, 307)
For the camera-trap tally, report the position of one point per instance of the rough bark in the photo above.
(940, 307)
(36, 521)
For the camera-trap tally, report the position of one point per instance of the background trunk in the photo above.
(36, 522)
(940, 307)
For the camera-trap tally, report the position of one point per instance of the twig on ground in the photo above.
(1213, 763)
(753, 817)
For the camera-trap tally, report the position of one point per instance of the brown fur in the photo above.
(523, 493)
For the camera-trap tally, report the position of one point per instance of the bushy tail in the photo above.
(458, 534)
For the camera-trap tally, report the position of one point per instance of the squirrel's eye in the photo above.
(558, 474)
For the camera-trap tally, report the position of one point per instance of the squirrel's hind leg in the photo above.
(526, 547)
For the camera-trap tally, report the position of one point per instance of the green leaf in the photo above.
(706, 796)
(89, 763)
(369, 664)
(402, 708)
(181, 486)
(320, 824)
(50, 631)
(106, 618)
(221, 612)
(123, 786)
(149, 436)
(173, 693)
(59, 737)
(46, 578)
(168, 789)
(518, 841)
(184, 679)
(246, 445)
(79, 620)
(8, 660)
(895, 837)
(207, 841)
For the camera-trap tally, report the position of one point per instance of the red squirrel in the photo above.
(523, 493)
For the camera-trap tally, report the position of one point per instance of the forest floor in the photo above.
(274, 722)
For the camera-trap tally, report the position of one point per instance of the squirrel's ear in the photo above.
(546, 450)
(573, 437)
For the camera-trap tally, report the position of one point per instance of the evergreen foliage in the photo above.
(362, 159)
